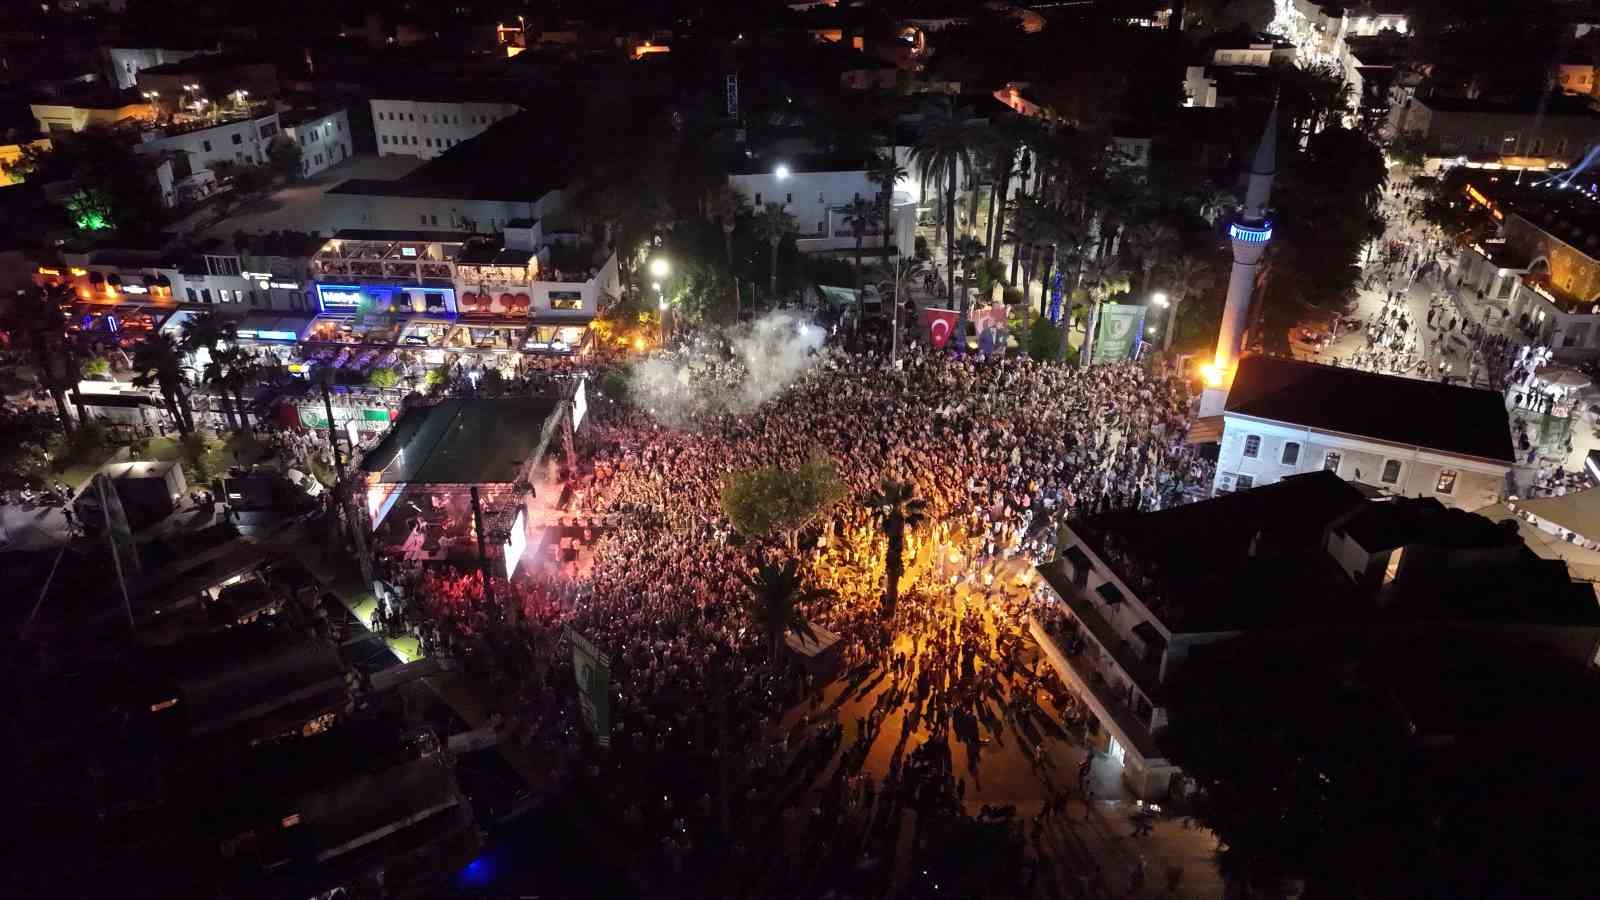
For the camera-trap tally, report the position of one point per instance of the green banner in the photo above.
(593, 671)
(312, 419)
(375, 415)
(1117, 338)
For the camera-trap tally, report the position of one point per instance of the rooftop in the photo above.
(465, 442)
(1258, 559)
(208, 62)
(1211, 566)
(1528, 105)
(800, 163)
(299, 116)
(495, 165)
(1406, 411)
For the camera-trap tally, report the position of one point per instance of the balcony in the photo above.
(1108, 669)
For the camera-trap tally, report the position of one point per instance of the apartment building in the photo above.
(427, 128)
(323, 135)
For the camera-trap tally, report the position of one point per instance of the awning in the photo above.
(1578, 513)
(820, 641)
(272, 327)
(1205, 430)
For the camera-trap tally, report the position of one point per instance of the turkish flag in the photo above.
(941, 324)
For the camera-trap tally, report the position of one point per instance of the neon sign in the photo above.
(1251, 234)
(338, 296)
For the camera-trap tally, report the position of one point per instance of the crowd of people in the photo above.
(999, 449)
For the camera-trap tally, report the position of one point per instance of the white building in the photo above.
(122, 65)
(427, 128)
(1135, 601)
(323, 136)
(816, 190)
(239, 140)
(1398, 436)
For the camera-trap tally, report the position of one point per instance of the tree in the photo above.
(897, 508)
(206, 330)
(36, 324)
(971, 252)
(885, 171)
(1111, 278)
(945, 148)
(284, 157)
(89, 209)
(383, 377)
(214, 374)
(1149, 243)
(157, 362)
(114, 185)
(241, 369)
(26, 436)
(773, 224)
(861, 214)
(775, 595)
(774, 500)
(729, 204)
(1308, 754)
(1186, 274)
(95, 367)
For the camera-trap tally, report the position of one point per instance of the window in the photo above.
(433, 220)
(568, 300)
(428, 141)
(206, 145)
(758, 200)
(411, 117)
(413, 140)
(1391, 471)
(205, 295)
(253, 300)
(1508, 144)
(238, 138)
(1330, 462)
(1252, 446)
(422, 218)
(192, 297)
(788, 198)
(1291, 453)
(1447, 482)
(819, 197)
(386, 139)
(1244, 483)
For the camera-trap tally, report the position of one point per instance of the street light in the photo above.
(782, 171)
(659, 267)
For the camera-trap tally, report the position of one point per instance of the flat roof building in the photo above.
(1397, 436)
(1132, 595)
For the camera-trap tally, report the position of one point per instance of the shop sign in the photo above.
(285, 285)
(334, 296)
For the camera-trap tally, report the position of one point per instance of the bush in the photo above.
(95, 367)
(922, 251)
(89, 438)
(194, 453)
(1013, 296)
(437, 379)
(383, 377)
(1044, 341)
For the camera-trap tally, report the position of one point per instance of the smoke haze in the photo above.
(735, 374)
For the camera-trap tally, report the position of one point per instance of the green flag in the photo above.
(1121, 325)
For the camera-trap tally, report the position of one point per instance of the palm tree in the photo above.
(728, 203)
(241, 369)
(861, 214)
(35, 321)
(946, 147)
(897, 507)
(206, 329)
(772, 224)
(214, 374)
(1109, 274)
(1187, 273)
(1025, 232)
(1148, 243)
(157, 361)
(885, 171)
(971, 251)
(775, 599)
